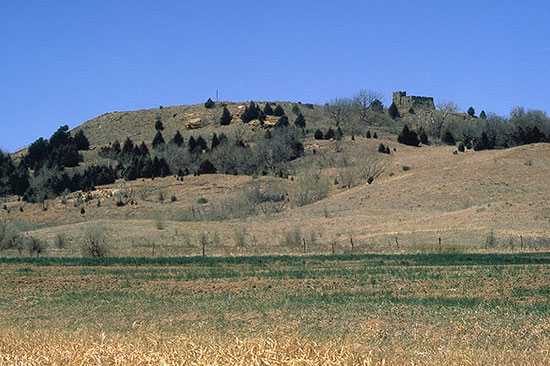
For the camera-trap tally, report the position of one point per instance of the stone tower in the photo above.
(405, 103)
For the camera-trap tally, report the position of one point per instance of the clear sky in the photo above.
(64, 62)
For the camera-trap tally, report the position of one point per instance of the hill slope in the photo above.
(460, 198)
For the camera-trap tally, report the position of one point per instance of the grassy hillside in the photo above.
(461, 198)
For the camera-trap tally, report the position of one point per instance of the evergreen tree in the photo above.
(318, 135)
(448, 138)
(158, 125)
(471, 111)
(81, 141)
(408, 137)
(206, 167)
(261, 116)
(250, 113)
(226, 117)
(60, 137)
(482, 115)
(223, 138)
(375, 136)
(128, 147)
(393, 111)
(424, 138)
(158, 140)
(215, 141)
(178, 139)
(115, 148)
(388, 150)
(537, 136)
(377, 106)
(382, 148)
(483, 143)
(209, 103)
(368, 134)
(278, 111)
(300, 121)
(330, 134)
(201, 144)
(143, 150)
(282, 122)
(268, 110)
(192, 145)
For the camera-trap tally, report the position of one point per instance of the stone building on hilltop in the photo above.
(410, 104)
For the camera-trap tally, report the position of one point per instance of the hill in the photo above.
(460, 198)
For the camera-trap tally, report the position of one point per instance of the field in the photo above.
(415, 309)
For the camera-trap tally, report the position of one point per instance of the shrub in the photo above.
(226, 117)
(161, 195)
(82, 211)
(296, 109)
(60, 241)
(209, 103)
(202, 200)
(239, 235)
(173, 198)
(461, 147)
(94, 242)
(406, 168)
(292, 238)
(36, 245)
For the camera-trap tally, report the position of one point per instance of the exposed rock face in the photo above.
(193, 123)
(405, 102)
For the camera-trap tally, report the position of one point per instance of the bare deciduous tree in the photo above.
(362, 101)
(339, 110)
(372, 166)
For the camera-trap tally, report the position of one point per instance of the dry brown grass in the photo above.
(44, 348)
(84, 348)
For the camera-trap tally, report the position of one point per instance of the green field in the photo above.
(427, 309)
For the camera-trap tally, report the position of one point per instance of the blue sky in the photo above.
(64, 62)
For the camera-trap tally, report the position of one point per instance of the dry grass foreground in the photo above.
(45, 348)
(467, 309)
